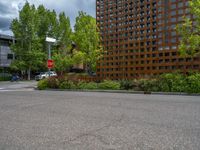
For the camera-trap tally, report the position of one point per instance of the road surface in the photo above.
(17, 86)
(53, 120)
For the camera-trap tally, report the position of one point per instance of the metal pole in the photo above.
(49, 47)
(49, 55)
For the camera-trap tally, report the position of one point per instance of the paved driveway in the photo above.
(49, 120)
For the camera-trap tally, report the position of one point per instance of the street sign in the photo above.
(50, 63)
(50, 40)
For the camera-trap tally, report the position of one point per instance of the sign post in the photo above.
(50, 41)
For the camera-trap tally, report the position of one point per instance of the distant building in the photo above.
(6, 55)
(140, 39)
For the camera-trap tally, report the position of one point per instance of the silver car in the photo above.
(44, 75)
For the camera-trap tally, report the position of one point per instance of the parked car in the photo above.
(15, 77)
(44, 75)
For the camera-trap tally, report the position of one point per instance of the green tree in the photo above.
(65, 32)
(63, 55)
(27, 49)
(87, 38)
(62, 62)
(31, 29)
(189, 31)
(33, 26)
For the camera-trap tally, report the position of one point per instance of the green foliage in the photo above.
(189, 31)
(53, 83)
(172, 82)
(5, 78)
(193, 83)
(89, 86)
(109, 85)
(43, 84)
(32, 27)
(28, 49)
(87, 38)
(65, 31)
(30, 30)
(62, 62)
(126, 84)
(67, 84)
(149, 85)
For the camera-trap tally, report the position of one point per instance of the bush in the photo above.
(126, 84)
(5, 78)
(53, 83)
(42, 84)
(110, 85)
(172, 82)
(61, 78)
(136, 84)
(148, 85)
(193, 83)
(67, 85)
(89, 86)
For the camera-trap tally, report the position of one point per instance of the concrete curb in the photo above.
(126, 92)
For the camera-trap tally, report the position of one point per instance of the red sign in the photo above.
(50, 63)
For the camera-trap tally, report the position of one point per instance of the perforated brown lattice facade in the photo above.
(139, 38)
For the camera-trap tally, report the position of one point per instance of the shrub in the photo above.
(149, 85)
(136, 84)
(152, 85)
(90, 85)
(61, 79)
(53, 83)
(172, 82)
(67, 85)
(108, 84)
(126, 84)
(42, 84)
(193, 83)
(5, 78)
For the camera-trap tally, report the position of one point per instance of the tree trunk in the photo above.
(29, 73)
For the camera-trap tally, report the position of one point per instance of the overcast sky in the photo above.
(9, 9)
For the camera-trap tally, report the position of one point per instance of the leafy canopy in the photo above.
(35, 24)
(87, 38)
(190, 31)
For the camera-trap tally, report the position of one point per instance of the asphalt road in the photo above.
(52, 120)
(17, 86)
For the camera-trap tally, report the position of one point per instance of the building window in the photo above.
(10, 56)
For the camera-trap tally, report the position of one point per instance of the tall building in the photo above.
(140, 39)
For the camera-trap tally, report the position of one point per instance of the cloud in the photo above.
(9, 9)
(5, 23)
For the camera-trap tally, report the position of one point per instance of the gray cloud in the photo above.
(5, 23)
(4, 9)
(9, 9)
